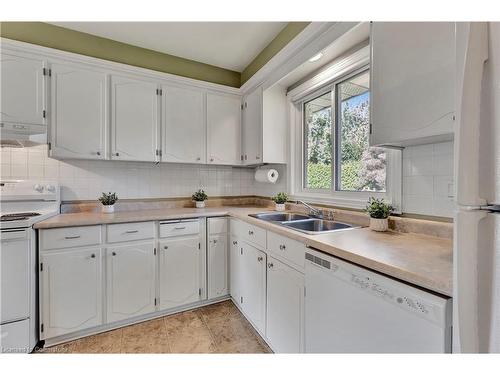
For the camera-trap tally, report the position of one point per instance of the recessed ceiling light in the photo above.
(316, 57)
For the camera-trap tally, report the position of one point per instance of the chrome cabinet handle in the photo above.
(235, 242)
(165, 247)
(215, 241)
(211, 159)
(131, 231)
(198, 158)
(72, 237)
(260, 259)
(117, 154)
(113, 253)
(270, 265)
(98, 153)
(257, 157)
(282, 247)
(180, 228)
(250, 232)
(92, 256)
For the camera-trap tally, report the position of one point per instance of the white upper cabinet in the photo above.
(183, 125)
(79, 112)
(223, 129)
(131, 281)
(134, 119)
(252, 127)
(71, 290)
(22, 89)
(412, 82)
(181, 271)
(264, 134)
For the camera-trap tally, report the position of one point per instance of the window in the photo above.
(336, 129)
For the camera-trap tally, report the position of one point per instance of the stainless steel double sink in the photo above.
(303, 223)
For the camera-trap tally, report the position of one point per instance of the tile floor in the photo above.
(218, 328)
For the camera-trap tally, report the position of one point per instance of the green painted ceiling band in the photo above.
(68, 40)
(64, 39)
(281, 40)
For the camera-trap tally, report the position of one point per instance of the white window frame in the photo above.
(338, 71)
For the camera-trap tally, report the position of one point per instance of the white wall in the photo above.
(428, 184)
(85, 180)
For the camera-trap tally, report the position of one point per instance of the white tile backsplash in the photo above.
(85, 180)
(428, 185)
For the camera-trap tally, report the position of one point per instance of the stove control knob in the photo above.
(39, 188)
(50, 188)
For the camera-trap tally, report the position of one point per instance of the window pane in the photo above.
(361, 167)
(318, 133)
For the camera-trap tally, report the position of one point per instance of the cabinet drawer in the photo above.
(179, 228)
(69, 237)
(249, 232)
(130, 231)
(287, 249)
(217, 225)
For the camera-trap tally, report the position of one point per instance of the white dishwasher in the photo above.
(349, 309)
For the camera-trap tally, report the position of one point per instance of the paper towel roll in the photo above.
(268, 175)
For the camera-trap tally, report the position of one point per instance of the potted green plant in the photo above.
(199, 198)
(379, 212)
(108, 201)
(280, 200)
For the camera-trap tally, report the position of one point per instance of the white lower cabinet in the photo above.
(181, 271)
(285, 307)
(253, 285)
(235, 269)
(131, 280)
(71, 290)
(217, 266)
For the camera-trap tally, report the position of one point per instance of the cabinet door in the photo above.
(285, 307)
(181, 271)
(71, 287)
(223, 129)
(22, 89)
(184, 133)
(412, 82)
(134, 119)
(217, 266)
(253, 286)
(252, 127)
(235, 256)
(130, 281)
(79, 112)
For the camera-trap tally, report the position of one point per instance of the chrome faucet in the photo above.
(314, 212)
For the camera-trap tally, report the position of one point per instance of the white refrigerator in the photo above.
(476, 305)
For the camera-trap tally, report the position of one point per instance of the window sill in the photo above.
(358, 202)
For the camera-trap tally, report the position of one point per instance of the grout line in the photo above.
(212, 335)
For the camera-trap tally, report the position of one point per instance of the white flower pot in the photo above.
(200, 204)
(280, 206)
(379, 225)
(108, 209)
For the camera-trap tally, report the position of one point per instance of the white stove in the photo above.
(22, 203)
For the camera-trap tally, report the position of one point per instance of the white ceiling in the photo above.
(230, 45)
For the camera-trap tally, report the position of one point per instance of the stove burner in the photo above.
(18, 216)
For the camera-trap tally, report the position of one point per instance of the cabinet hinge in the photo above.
(241, 250)
(199, 245)
(156, 301)
(41, 267)
(50, 146)
(47, 72)
(154, 251)
(159, 92)
(242, 106)
(241, 157)
(241, 299)
(199, 292)
(157, 152)
(370, 128)
(44, 113)
(246, 104)
(41, 327)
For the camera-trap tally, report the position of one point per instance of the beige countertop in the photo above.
(423, 260)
